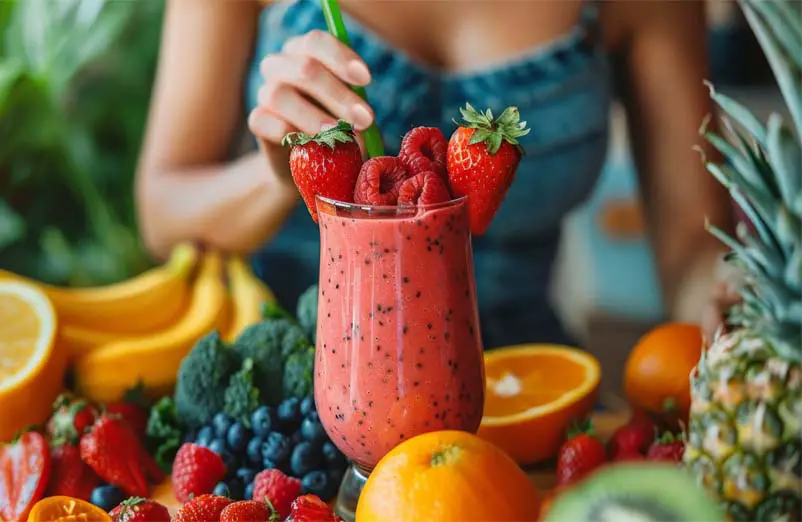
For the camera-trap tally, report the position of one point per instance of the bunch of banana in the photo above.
(248, 293)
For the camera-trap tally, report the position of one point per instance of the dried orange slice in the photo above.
(533, 394)
(31, 370)
(66, 509)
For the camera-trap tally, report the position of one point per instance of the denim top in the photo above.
(562, 90)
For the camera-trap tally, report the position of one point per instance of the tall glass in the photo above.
(399, 351)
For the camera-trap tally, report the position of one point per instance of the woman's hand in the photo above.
(306, 87)
(723, 295)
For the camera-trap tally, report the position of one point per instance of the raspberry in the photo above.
(196, 470)
(425, 188)
(424, 149)
(378, 181)
(278, 488)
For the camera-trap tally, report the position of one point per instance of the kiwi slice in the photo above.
(636, 492)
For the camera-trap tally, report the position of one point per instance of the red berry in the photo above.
(24, 470)
(424, 149)
(578, 456)
(378, 181)
(69, 475)
(426, 188)
(196, 470)
(135, 416)
(246, 511)
(668, 448)
(205, 508)
(113, 451)
(635, 435)
(628, 455)
(278, 488)
(136, 509)
(310, 508)
(70, 420)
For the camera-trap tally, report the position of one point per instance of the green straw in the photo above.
(334, 19)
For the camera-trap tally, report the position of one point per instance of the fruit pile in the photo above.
(478, 161)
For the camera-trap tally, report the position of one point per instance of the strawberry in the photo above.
(134, 415)
(69, 475)
(635, 435)
(70, 420)
(379, 181)
(425, 188)
(277, 488)
(669, 448)
(326, 164)
(196, 470)
(424, 149)
(24, 470)
(205, 508)
(579, 455)
(628, 454)
(309, 508)
(113, 451)
(483, 154)
(247, 511)
(137, 509)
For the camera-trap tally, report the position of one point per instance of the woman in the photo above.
(421, 61)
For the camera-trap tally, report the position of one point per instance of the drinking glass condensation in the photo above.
(399, 351)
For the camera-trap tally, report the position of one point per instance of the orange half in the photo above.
(66, 509)
(533, 393)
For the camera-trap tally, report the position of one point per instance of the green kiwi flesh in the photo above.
(636, 492)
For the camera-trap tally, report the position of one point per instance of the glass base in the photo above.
(348, 496)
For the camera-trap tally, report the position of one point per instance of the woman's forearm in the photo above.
(234, 207)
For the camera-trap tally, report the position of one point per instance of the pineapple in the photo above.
(745, 428)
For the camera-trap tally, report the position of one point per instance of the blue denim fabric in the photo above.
(562, 90)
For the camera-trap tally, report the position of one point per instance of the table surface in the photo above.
(542, 475)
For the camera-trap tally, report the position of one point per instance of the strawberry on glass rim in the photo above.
(483, 154)
(326, 164)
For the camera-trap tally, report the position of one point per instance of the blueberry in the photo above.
(304, 459)
(317, 483)
(254, 450)
(312, 429)
(238, 437)
(289, 413)
(205, 436)
(295, 438)
(333, 457)
(219, 447)
(248, 495)
(191, 436)
(107, 497)
(307, 406)
(335, 475)
(246, 475)
(221, 422)
(262, 420)
(269, 464)
(221, 490)
(276, 447)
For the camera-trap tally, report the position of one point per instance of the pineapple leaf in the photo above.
(739, 163)
(788, 77)
(788, 228)
(740, 250)
(780, 16)
(785, 157)
(740, 114)
(793, 270)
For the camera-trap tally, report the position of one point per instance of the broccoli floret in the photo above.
(273, 310)
(307, 311)
(164, 433)
(298, 373)
(242, 397)
(202, 380)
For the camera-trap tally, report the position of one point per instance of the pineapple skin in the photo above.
(745, 428)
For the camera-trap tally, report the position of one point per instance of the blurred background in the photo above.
(75, 80)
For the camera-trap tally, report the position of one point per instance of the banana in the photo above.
(150, 301)
(79, 340)
(106, 372)
(248, 293)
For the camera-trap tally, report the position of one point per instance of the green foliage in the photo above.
(241, 396)
(307, 311)
(165, 433)
(75, 81)
(298, 373)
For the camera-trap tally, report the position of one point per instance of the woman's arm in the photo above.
(185, 188)
(664, 64)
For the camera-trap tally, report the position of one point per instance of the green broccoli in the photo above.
(307, 311)
(241, 396)
(273, 310)
(202, 380)
(298, 373)
(164, 433)
(269, 343)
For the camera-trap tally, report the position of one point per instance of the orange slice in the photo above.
(31, 370)
(533, 394)
(66, 509)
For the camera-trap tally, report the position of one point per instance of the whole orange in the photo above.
(657, 372)
(447, 476)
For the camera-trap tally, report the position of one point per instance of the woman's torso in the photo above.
(490, 55)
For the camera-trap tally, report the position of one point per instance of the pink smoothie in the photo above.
(398, 345)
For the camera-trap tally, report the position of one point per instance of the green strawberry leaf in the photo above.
(494, 132)
(343, 132)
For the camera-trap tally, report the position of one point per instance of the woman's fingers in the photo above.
(308, 74)
(336, 56)
(268, 127)
(287, 104)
